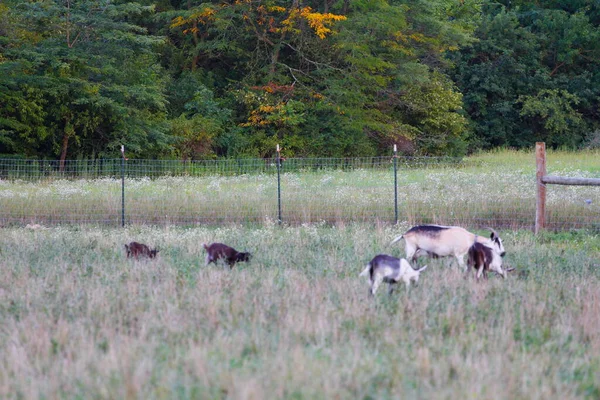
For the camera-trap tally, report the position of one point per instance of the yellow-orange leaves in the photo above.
(262, 15)
(317, 21)
(204, 16)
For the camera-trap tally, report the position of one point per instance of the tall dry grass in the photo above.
(78, 320)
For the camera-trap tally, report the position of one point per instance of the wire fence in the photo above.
(31, 170)
(414, 190)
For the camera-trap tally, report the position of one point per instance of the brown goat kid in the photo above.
(484, 258)
(137, 250)
(220, 251)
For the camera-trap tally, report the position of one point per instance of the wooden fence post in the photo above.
(540, 203)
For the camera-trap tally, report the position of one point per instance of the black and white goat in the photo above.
(384, 268)
(442, 241)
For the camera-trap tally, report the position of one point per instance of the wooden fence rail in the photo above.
(543, 179)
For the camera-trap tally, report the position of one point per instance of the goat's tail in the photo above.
(396, 240)
(366, 271)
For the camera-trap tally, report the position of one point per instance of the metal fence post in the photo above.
(396, 184)
(279, 184)
(122, 186)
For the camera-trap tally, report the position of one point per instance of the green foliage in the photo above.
(194, 136)
(555, 110)
(532, 74)
(320, 78)
(95, 74)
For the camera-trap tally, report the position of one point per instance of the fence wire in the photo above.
(333, 190)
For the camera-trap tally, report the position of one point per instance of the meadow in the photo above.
(496, 189)
(79, 320)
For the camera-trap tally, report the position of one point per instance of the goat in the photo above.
(384, 268)
(484, 258)
(135, 249)
(442, 241)
(217, 251)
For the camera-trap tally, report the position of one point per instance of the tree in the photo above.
(554, 113)
(531, 58)
(94, 73)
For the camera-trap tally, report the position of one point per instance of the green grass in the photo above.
(496, 188)
(78, 320)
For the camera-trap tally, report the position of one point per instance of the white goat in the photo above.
(442, 241)
(384, 268)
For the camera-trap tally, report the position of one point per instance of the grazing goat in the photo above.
(217, 251)
(484, 258)
(442, 241)
(384, 268)
(135, 249)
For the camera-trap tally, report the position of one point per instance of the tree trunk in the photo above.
(196, 57)
(346, 7)
(275, 55)
(326, 4)
(63, 153)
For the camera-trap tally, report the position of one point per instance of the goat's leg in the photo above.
(407, 283)
(411, 252)
(479, 272)
(391, 288)
(375, 284)
(416, 280)
(460, 258)
(469, 266)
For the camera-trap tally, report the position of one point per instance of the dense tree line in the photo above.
(197, 79)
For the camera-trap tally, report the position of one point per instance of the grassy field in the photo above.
(495, 189)
(78, 320)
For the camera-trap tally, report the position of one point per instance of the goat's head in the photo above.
(499, 271)
(497, 242)
(243, 257)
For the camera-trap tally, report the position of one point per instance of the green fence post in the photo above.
(122, 186)
(279, 184)
(396, 183)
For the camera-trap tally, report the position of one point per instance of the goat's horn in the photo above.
(510, 269)
(492, 230)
